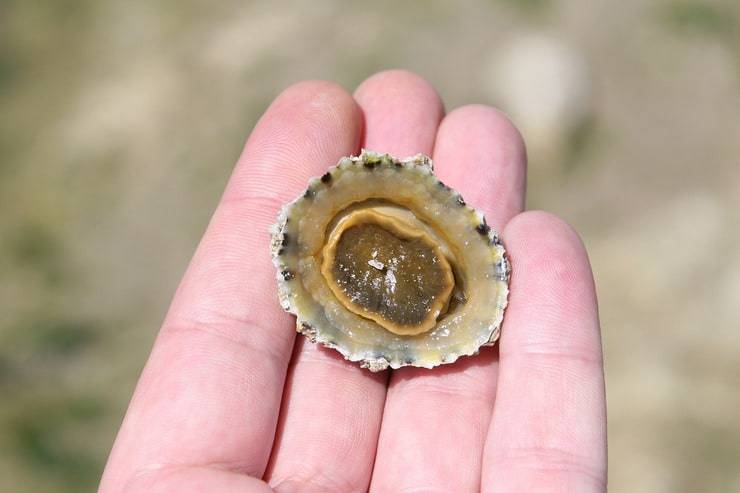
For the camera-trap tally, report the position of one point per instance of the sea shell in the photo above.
(383, 262)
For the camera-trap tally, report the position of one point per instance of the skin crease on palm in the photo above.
(232, 400)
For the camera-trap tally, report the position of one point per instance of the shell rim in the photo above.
(371, 158)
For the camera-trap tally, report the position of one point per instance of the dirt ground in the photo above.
(120, 121)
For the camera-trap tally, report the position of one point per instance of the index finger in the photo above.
(211, 390)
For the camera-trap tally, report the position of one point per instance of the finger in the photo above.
(479, 153)
(402, 113)
(548, 431)
(332, 409)
(211, 389)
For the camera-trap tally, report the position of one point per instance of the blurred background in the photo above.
(120, 122)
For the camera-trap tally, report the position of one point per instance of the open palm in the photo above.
(231, 400)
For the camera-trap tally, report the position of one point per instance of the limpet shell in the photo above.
(383, 262)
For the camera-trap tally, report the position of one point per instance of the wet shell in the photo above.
(383, 262)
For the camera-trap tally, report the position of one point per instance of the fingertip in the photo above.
(551, 225)
(400, 82)
(392, 97)
(319, 95)
(546, 238)
(495, 122)
(480, 152)
(312, 109)
(551, 285)
(309, 126)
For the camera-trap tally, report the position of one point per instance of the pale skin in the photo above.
(232, 400)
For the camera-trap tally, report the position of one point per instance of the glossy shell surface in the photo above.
(409, 190)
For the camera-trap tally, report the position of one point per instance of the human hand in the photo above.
(230, 400)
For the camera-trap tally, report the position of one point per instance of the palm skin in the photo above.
(231, 400)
